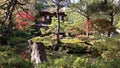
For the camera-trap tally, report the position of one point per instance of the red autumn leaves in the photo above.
(100, 25)
(22, 19)
(88, 25)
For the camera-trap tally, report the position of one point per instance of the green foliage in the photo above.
(8, 49)
(81, 62)
(76, 27)
(67, 62)
(76, 22)
(68, 44)
(16, 40)
(70, 40)
(72, 61)
(24, 34)
(100, 63)
(102, 25)
(14, 62)
(100, 7)
(118, 24)
(47, 40)
(82, 7)
(109, 49)
(45, 31)
(75, 45)
(63, 25)
(39, 6)
(115, 63)
(9, 59)
(92, 8)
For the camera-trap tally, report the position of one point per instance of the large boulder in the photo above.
(38, 54)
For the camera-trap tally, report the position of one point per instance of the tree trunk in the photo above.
(105, 1)
(87, 32)
(10, 9)
(58, 29)
(112, 22)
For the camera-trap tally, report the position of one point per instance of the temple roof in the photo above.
(51, 10)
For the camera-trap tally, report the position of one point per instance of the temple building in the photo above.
(46, 15)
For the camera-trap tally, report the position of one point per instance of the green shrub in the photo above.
(74, 48)
(115, 63)
(9, 59)
(4, 48)
(72, 61)
(109, 49)
(75, 45)
(70, 40)
(21, 45)
(81, 63)
(100, 63)
(16, 40)
(47, 40)
(63, 62)
(19, 33)
(14, 62)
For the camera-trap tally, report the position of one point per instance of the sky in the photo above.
(74, 1)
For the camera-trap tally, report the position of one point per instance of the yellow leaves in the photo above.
(32, 1)
(1, 1)
(75, 40)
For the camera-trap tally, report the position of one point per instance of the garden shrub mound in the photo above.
(18, 43)
(9, 58)
(16, 40)
(47, 40)
(68, 44)
(109, 48)
(74, 45)
(71, 61)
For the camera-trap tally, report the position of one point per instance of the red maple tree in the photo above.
(22, 19)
